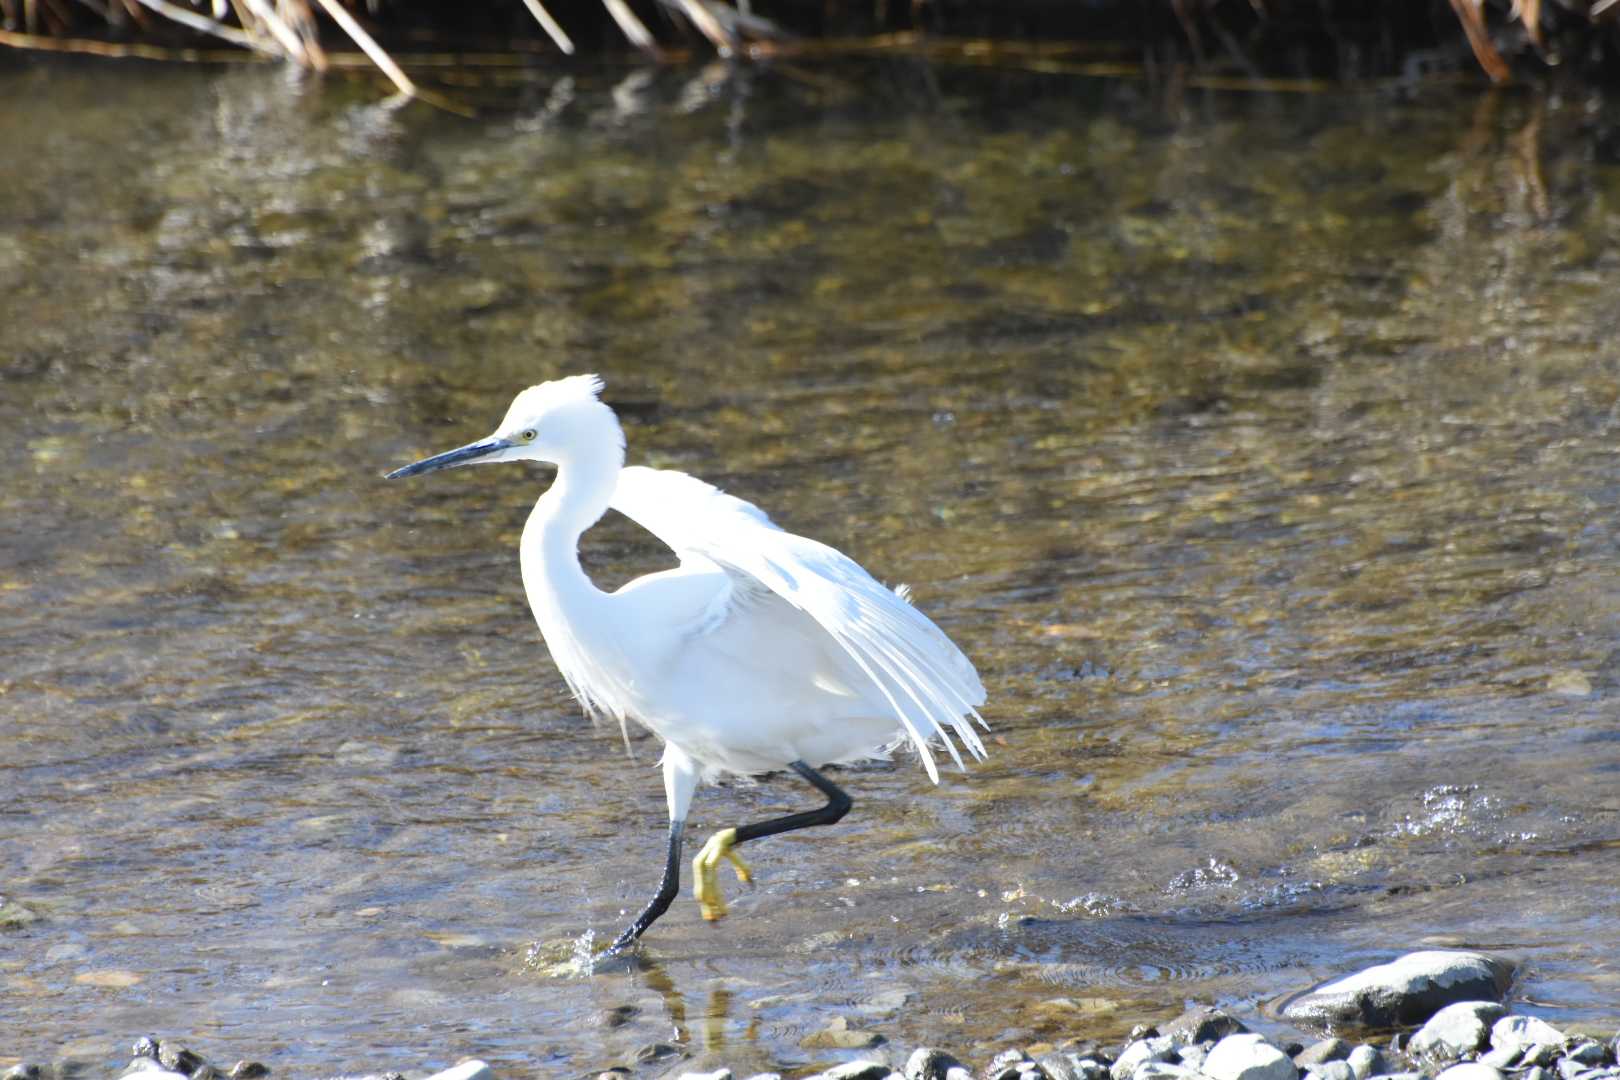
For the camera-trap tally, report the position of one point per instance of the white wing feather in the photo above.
(932, 688)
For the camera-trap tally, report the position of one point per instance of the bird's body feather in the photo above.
(811, 657)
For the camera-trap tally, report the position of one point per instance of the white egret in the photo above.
(762, 651)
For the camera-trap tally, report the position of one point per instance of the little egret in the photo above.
(761, 651)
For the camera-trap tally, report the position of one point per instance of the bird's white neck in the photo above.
(571, 611)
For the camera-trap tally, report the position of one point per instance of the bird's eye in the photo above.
(527, 436)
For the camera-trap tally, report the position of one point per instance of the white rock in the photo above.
(1456, 1030)
(1331, 1070)
(1407, 990)
(1470, 1070)
(1365, 1061)
(1248, 1057)
(860, 1069)
(718, 1074)
(1163, 1070)
(145, 1068)
(1533, 1037)
(467, 1070)
(1140, 1052)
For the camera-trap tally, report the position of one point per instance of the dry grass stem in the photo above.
(634, 30)
(549, 25)
(358, 34)
(187, 17)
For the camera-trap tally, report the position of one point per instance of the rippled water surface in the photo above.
(1260, 449)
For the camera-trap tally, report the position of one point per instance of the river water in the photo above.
(1260, 448)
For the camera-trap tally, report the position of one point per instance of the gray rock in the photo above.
(1201, 1024)
(1538, 1042)
(1365, 1061)
(1068, 1065)
(1331, 1070)
(1139, 1053)
(21, 1071)
(1192, 1056)
(1407, 990)
(1164, 1070)
(469, 1070)
(1470, 1070)
(851, 1070)
(1504, 1057)
(926, 1063)
(1589, 1052)
(1007, 1065)
(657, 1051)
(1456, 1031)
(248, 1070)
(1247, 1056)
(1535, 1072)
(1397, 1076)
(1319, 1052)
(766, 1076)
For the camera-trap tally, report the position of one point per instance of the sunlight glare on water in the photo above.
(1260, 450)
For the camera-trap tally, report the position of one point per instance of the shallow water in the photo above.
(1260, 449)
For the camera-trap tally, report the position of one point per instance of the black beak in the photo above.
(461, 455)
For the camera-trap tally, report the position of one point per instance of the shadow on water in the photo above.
(1261, 450)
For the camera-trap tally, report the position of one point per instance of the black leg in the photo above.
(667, 889)
(838, 804)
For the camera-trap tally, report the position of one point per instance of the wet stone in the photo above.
(1456, 1030)
(146, 1046)
(1407, 990)
(658, 1051)
(838, 1035)
(248, 1070)
(21, 1071)
(1202, 1024)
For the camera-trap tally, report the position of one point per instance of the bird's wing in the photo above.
(932, 688)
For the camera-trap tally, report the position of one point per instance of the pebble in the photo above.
(1456, 1030)
(1365, 1061)
(1140, 1052)
(927, 1063)
(1321, 1052)
(853, 1070)
(1407, 990)
(1248, 1056)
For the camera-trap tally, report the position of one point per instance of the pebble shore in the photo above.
(1445, 1007)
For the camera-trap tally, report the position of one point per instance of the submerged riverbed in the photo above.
(1261, 450)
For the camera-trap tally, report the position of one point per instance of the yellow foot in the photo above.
(706, 885)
